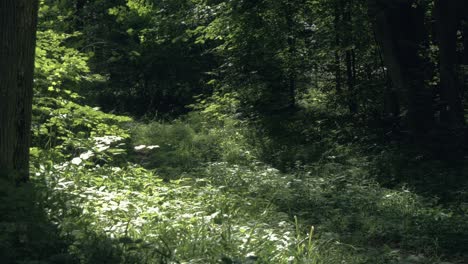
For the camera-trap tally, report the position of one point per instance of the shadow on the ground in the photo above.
(26, 234)
(415, 196)
(29, 236)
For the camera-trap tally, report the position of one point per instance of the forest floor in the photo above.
(192, 191)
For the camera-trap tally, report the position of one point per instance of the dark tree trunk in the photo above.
(79, 6)
(450, 92)
(401, 33)
(465, 43)
(292, 57)
(463, 10)
(337, 22)
(350, 58)
(18, 21)
(464, 68)
(350, 80)
(390, 96)
(452, 121)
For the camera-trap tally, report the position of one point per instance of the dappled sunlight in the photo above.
(234, 132)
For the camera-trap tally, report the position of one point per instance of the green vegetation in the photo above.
(246, 132)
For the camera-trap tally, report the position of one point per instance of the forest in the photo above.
(233, 132)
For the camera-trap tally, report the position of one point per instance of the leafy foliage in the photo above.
(247, 150)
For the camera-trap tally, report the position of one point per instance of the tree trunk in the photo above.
(78, 17)
(446, 28)
(447, 22)
(464, 67)
(18, 21)
(350, 58)
(390, 96)
(292, 57)
(465, 43)
(337, 22)
(401, 33)
(350, 80)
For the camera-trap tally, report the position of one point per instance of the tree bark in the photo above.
(337, 22)
(18, 22)
(464, 66)
(448, 18)
(450, 91)
(292, 57)
(401, 33)
(350, 80)
(350, 58)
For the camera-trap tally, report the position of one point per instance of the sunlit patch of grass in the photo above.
(147, 219)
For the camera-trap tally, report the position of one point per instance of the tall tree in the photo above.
(448, 20)
(350, 57)
(18, 21)
(400, 29)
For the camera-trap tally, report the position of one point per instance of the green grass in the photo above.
(219, 191)
(148, 220)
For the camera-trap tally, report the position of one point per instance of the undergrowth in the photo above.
(117, 191)
(215, 186)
